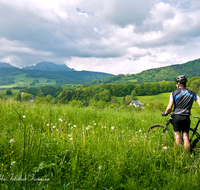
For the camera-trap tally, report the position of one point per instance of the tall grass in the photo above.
(45, 146)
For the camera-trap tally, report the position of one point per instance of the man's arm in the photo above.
(198, 101)
(170, 106)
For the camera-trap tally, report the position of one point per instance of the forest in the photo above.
(106, 94)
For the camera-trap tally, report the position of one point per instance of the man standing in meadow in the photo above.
(182, 100)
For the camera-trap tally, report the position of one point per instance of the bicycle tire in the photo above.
(160, 133)
(195, 146)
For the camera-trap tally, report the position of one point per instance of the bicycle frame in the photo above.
(195, 130)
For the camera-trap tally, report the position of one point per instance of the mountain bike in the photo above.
(163, 135)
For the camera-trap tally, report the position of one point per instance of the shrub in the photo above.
(26, 96)
(128, 99)
(75, 103)
(9, 92)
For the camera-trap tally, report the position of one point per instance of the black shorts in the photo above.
(181, 123)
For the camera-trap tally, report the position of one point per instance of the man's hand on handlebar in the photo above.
(163, 114)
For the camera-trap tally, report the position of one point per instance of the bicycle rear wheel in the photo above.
(160, 134)
(195, 146)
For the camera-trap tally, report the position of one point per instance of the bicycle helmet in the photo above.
(181, 79)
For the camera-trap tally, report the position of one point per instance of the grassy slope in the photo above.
(85, 148)
(162, 98)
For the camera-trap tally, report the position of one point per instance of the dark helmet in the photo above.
(181, 79)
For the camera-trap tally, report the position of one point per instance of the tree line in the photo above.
(107, 93)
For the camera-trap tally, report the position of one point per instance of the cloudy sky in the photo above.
(112, 36)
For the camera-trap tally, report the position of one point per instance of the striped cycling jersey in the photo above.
(183, 100)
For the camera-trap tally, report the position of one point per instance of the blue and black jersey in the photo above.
(183, 100)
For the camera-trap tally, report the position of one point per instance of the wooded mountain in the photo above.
(169, 73)
(54, 75)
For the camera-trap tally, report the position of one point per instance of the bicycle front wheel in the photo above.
(160, 134)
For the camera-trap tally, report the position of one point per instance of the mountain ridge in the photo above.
(6, 65)
(168, 73)
(48, 66)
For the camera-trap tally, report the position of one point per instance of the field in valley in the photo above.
(44, 146)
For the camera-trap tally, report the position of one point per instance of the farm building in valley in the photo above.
(136, 103)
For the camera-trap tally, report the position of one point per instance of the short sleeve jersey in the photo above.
(183, 100)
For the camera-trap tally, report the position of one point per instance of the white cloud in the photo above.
(112, 36)
(163, 12)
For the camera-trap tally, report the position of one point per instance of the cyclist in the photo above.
(182, 100)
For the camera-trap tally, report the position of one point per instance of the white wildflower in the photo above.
(112, 127)
(12, 141)
(74, 125)
(87, 128)
(12, 163)
(60, 120)
(100, 167)
(24, 116)
(71, 139)
(140, 131)
(94, 123)
(47, 124)
(165, 148)
(54, 127)
(69, 135)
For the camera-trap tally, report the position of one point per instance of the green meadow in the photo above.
(3, 93)
(45, 146)
(21, 80)
(162, 98)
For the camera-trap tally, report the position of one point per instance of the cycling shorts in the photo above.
(181, 123)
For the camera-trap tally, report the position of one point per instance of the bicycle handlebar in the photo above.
(197, 117)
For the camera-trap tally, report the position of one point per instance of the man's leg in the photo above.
(178, 138)
(186, 141)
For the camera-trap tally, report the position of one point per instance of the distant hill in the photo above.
(169, 73)
(48, 66)
(6, 65)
